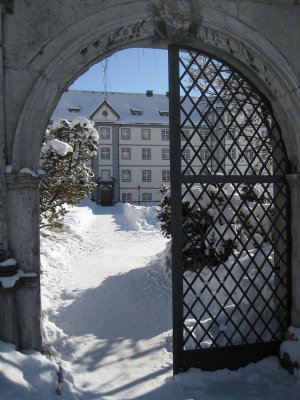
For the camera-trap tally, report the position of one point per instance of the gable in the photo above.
(105, 113)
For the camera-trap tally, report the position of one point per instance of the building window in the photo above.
(204, 135)
(164, 113)
(186, 153)
(185, 134)
(147, 195)
(74, 109)
(105, 174)
(165, 153)
(105, 153)
(165, 134)
(232, 153)
(126, 197)
(146, 175)
(126, 175)
(204, 154)
(146, 134)
(166, 175)
(104, 132)
(135, 111)
(126, 153)
(125, 133)
(146, 154)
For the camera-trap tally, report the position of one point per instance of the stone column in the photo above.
(115, 162)
(3, 224)
(24, 311)
(294, 184)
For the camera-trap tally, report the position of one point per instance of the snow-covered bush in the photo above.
(216, 221)
(65, 150)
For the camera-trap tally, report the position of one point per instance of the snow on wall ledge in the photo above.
(290, 352)
(10, 281)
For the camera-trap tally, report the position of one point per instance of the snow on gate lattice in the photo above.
(230, 217)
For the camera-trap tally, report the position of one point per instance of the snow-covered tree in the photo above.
(218, 220)
(65, 150)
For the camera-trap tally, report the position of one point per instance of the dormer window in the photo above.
(164, 113)
(135, 111)
(74, 109)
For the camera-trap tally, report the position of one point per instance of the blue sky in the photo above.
(132, 70)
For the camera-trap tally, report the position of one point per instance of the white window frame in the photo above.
(125, 133)
(104, 132)
(136, 112)
(204, 154)
(146, 153)
(126, 175)
(146, 175)
(204, 134)
(126, 197)
(165, 134)
(164, 113)
(146, 134)
(165, 175)
(105, 153)
(186, 153)
(125, 150)
(165, 153)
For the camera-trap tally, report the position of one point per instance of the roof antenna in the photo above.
(105, 77)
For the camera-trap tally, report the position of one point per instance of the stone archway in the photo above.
(41, 62)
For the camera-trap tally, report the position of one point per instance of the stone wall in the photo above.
(46, 45)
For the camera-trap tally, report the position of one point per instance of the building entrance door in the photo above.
(106, 195)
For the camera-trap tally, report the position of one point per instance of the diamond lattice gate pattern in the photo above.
(230, 217)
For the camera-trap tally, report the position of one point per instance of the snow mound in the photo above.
(137, 218)
(26, 376)
(291, 350)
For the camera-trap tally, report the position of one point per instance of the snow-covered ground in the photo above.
(106, 299)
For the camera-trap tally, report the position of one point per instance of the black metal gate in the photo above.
(230, 217)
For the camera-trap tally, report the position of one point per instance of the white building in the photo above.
(133, 157)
